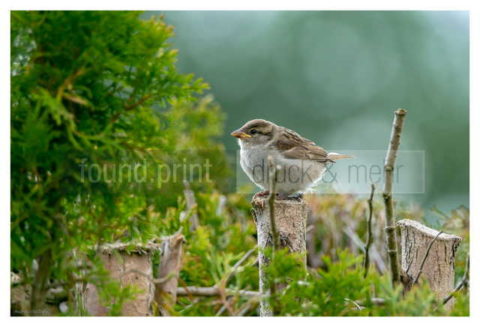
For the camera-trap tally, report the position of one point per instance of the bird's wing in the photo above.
(294, 146)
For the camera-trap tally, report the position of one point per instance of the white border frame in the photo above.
(243, 5)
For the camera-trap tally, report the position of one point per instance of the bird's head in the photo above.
(255, 132)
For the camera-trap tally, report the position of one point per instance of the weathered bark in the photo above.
(170, 264)
(438, 263)
(290, 223)
(387, 193)
(130, 267)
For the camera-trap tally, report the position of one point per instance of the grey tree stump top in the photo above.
(438, 266)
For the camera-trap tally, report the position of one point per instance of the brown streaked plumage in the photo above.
(294, 154)
(294, 146)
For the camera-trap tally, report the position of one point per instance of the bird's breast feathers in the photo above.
(293, 175)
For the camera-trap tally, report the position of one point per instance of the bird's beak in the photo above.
(240, 135)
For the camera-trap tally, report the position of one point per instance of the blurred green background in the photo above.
(337, 77)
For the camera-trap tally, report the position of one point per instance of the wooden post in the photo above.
(20, 299)
(170, 265)
(290, 223)
(130, 267)
(428, 254)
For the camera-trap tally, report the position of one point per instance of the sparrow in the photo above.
(299, 162)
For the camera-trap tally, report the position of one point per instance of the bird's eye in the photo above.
(253, 131)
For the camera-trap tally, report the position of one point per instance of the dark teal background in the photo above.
(337, 77)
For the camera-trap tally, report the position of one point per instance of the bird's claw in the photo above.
(280, 196)
(286, 196)
(296, 196)
(262, 194)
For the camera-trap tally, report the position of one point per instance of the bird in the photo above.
(299, 162)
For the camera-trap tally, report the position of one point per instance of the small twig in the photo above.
(237, 265)
(463, 283)
(357, 306)
(224, 300)
(374, 300)
(223, 282)
(142, 100)
(375, 254)
(213, 291)
(222, 310)
(425, 257)
(191, 206)
(366, 263)
(222, 202)
(356, 241)
(129, 107)
(69, 81)
(248, 306)
(271, 201)
(387, 193)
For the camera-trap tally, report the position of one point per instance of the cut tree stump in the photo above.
(170, 265)
(131, 265)
(290, 223)
(438, 265)
(20, 294)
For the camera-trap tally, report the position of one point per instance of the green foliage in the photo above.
(96, 95)
(340, 289)
(335, 288)
(327, 294)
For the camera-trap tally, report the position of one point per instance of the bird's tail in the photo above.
(336, 156)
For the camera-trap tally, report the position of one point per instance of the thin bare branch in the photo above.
(366, 263)
(213, 291)
(273, 171)
(387, 193)
(237, 265)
